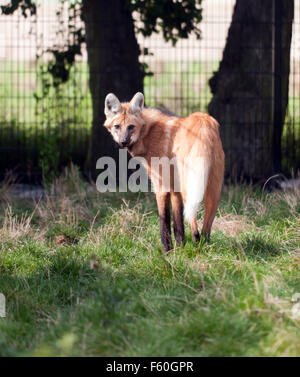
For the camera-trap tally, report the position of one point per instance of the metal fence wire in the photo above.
(46, 127)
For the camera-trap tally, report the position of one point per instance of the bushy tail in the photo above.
(196, 181)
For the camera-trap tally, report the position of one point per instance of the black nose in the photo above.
(124, 143)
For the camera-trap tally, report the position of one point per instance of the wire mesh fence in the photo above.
(43, 126)
(291, 131)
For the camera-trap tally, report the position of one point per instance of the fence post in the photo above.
(277, 118)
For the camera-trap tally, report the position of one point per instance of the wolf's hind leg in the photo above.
(163, 205)
(178, 223)
(195, 232)
(211, 202)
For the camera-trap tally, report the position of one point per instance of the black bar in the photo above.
(277, 125)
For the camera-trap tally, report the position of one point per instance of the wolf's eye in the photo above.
(117, 127)
(131, 127)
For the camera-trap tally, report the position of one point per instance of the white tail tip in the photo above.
(197, 171)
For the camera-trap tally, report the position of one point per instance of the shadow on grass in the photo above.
(38, 301)
(256, 247)
(80, 306)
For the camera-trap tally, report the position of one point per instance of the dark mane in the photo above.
(166, 111)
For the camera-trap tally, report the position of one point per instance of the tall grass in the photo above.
(83, 274)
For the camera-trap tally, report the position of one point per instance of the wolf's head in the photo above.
(124, 120)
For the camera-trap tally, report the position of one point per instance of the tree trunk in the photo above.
(113, 57)
(243, 88)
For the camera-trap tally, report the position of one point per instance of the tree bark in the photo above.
(243, 87)
(113, 57)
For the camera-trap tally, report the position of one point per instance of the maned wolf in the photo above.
(194, 146)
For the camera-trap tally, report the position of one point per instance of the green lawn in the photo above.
(83, 274)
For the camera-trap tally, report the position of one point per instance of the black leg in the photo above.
(163, 203)
(178, 223)
(206, 236)
(196, 236)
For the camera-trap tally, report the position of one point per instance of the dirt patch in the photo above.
(232, 224)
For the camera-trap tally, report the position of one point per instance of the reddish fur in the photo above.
(161, 135)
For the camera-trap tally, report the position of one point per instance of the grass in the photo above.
(83, 275)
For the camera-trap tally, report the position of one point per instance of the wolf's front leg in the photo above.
(163, 204)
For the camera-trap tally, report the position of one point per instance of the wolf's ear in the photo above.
(112, 105)
(137, 103)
